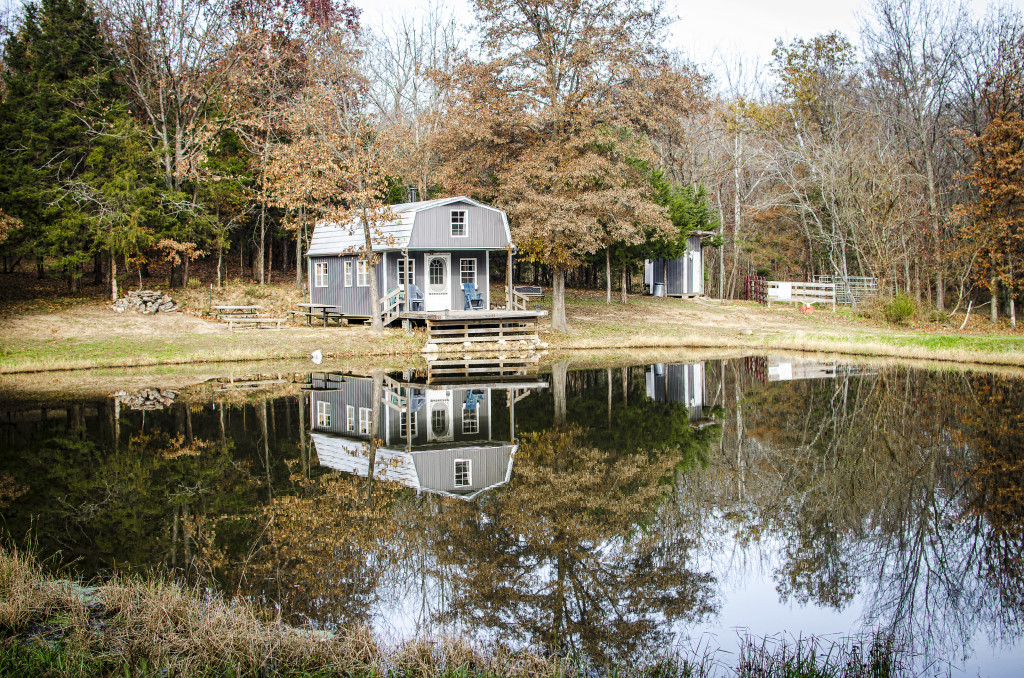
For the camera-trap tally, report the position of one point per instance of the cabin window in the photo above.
(350, 418)
(467, 268)
(348, 274)
(471, 420)
(364, 420)
(458, 223)
(463, 473)
(320, 274)
(439, 422)
(363, 274)
(436, 272)
(403, 431)
(323, 414)
(401, 271)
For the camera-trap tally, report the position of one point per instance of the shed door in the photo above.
(438, 293)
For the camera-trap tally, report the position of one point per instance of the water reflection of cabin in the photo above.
(678, 384)
(437, 439)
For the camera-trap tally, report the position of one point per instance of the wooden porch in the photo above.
(458, 327)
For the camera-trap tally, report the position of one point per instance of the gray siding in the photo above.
(458, 400)
(484, 229)
(488, 466)
(685, 274)
(458, 296)
(680, 383)
(352, 300)
(352, 392)
(357, 392)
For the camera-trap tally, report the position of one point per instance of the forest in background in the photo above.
(137, 132)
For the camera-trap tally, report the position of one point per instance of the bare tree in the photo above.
(914, 50)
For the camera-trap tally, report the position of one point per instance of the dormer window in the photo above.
(458, 223)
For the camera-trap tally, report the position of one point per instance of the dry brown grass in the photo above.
(130, 622)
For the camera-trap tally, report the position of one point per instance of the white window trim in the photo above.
(469, 473)
(323, 413)
(348, 273)
(474, 418)
(321, 273)
(365, 421)
(400, 268)
(413, 417)
(463, 282)
(350, 418)
(362, 273)
(465, 223)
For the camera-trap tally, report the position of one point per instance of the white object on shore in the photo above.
(317, 357)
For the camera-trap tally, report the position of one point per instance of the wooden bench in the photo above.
(521, 295)
(254, 322)
(227, 312)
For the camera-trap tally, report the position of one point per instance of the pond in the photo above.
(612, 512)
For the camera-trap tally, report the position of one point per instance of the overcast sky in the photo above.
(709, 29)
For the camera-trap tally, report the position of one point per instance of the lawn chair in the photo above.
(474, 299)
(472, 399)
(415, 298)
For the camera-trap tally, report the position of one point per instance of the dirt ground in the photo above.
(46, 329)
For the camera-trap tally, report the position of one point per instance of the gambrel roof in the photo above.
(331, 238)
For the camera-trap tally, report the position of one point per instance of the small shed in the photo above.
(683, 276)
(444, 242)
(680, 383)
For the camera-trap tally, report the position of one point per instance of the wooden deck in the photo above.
(459, 327)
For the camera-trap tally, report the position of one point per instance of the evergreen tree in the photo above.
(59, 79)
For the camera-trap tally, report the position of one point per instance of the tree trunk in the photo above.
(298, 248)
(259, 273)
(558, 322)
(559, 372)
(994, 311)
(220, 262)
(933, 217)
(624, 285)
(376, 322)
(608, 274)
(113, 277)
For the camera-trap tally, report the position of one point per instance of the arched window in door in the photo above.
(436, 272)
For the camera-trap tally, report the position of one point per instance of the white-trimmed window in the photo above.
(364, 420)
(401, 271)
(362, 274)
(402, 432)
(467, 271)
(323, 413)
(350, 418)
(348, 273)
(459, 224)
(463, 473)
(471, 420)
(320, 274)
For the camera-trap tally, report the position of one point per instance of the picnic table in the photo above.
(254, 321)
(324, 311)
(243, 311)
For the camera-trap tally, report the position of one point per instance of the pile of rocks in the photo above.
(146, 399)
(145, 301)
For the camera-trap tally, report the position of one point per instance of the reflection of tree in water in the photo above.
(562, 556)
(904, 486)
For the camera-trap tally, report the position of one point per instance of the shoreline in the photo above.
(85, 335)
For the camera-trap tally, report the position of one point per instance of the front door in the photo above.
(437, 296)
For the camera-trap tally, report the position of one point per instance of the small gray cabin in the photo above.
(444, 242)
(678, 277)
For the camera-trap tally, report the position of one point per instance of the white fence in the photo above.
(859, 288)
(797, 292)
